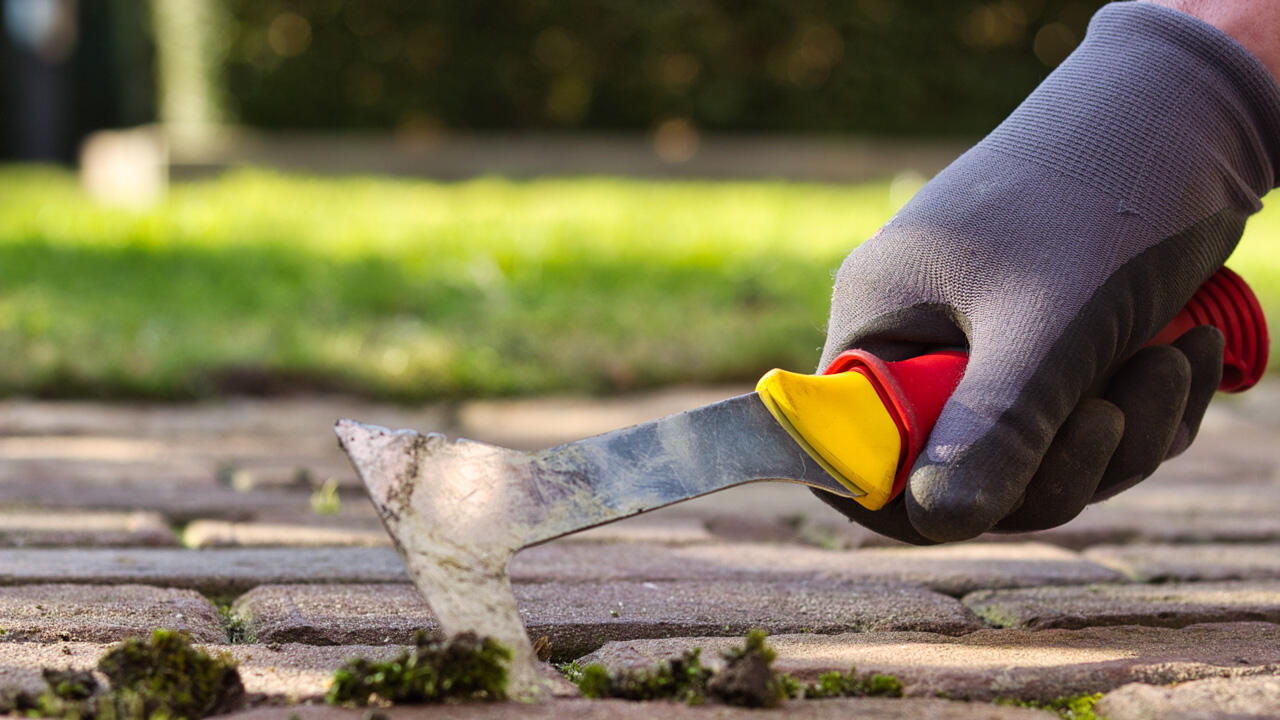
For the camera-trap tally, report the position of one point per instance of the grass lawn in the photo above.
(416, 290)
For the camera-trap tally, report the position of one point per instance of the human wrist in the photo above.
(1255, 24)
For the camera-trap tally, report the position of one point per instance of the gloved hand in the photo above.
(1054, 250)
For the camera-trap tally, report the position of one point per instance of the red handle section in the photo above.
(1227, 302)
(914, 390)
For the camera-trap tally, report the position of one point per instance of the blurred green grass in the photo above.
(410, 290)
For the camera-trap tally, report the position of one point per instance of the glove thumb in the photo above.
(989, 441)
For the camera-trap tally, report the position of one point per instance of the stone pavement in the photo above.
(242, 524)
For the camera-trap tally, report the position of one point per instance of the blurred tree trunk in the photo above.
(191, 39)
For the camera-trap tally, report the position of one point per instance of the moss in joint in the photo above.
(236, 627)
(1073, 707)
(160, 677)
(748, 679)
(681, 678)
(466, 667)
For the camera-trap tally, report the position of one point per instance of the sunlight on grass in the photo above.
(413, 290)
(416, 289)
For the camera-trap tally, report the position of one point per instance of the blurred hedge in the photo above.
(865, 66)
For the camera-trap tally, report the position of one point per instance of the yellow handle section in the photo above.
(843, 424)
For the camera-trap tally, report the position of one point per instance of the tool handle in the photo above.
(915, 390)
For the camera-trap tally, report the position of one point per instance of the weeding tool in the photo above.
(459, 510)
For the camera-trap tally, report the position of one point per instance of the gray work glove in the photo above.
(1054, 250)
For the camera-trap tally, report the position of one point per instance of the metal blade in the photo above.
(658, 463)
(458, 511)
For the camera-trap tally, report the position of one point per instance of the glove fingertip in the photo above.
(1203, 346)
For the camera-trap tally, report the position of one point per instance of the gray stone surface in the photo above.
(1165, 605)
(179, 502)
(212, 571)
(1106, 525)
(1214, 699)
(282, 672)
(951, 569)
(220, 534)
(44, 528)
(579, 618)
(102, 613)
(1211, 561)
(577, 709)
(242, 474)
(989, 664)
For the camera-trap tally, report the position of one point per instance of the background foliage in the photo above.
(865, 66)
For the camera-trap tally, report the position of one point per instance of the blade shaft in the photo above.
(647, 466)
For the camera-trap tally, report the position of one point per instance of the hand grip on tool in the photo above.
(866, 420)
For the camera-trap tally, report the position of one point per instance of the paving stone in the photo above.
(42, 528)
(1106, 525)
(221, 534)
(1214, 699)
(102, 613)
(579, 618)
(1227, 498)
(296, 673)
(1165, 605)
(290, 673)
(179, 502)
(950, 569)
(989, 664)
(215, 571)
(579, 709)
(771, 512)
(1210, 561)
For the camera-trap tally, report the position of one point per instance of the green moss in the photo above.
(1074, 707)
(572, 671)
(999, 617)
(161, 677)
(682, 678)
(747, 679)
(850, 684)
(325, 500)
(170, 677)
(466, 667)
(70, 684)
(236, 627)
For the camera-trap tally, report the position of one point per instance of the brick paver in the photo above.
(989, 664)
(103, 613)
(581, 617)
(1175, 581)
(953, 569)
(1209, 561)
(212, 571)
(179, 502)
(279, 672)
(1167, 605)
(105, 529)
(322, 532)
(1254, 697)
